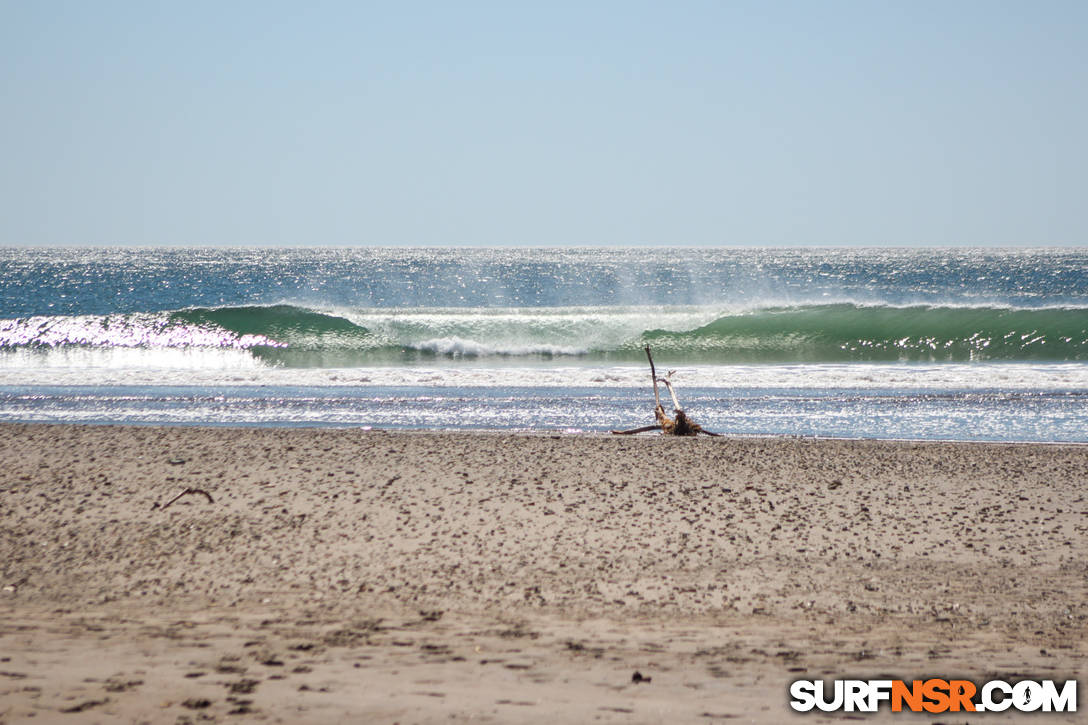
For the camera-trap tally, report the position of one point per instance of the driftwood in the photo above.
(200, 491)
(680, 424)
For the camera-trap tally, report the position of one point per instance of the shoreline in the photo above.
(528, 433)
(519, 577)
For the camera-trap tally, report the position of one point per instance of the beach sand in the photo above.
(368, 576)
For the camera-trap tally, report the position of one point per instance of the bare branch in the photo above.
(668, 384)
(680, 424)
(643, 429)
(200, 491)
(653, 376)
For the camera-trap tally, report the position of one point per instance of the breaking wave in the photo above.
(295, 336)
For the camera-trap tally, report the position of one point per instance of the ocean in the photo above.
(933, 344)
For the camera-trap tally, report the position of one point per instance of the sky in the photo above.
(544, 123)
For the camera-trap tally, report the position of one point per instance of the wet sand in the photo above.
(342, 575)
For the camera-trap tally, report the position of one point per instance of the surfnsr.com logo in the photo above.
(934, 695)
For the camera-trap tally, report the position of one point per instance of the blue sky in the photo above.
(506, 123)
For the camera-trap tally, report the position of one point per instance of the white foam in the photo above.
(128, 331)
(226, 367)
(460, 347)
(122, 363)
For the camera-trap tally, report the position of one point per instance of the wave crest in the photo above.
(843, 332)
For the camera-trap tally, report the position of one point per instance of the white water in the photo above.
(211, 367)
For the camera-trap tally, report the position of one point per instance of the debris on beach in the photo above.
(680, 424)
(197, 491)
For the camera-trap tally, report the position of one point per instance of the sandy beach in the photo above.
(423, 577)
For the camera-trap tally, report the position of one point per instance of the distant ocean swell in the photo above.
(294, 336)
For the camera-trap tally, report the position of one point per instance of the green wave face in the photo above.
(298, 337)
(286, 325)
(847, 332)
(276, 321)
(809, 333)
